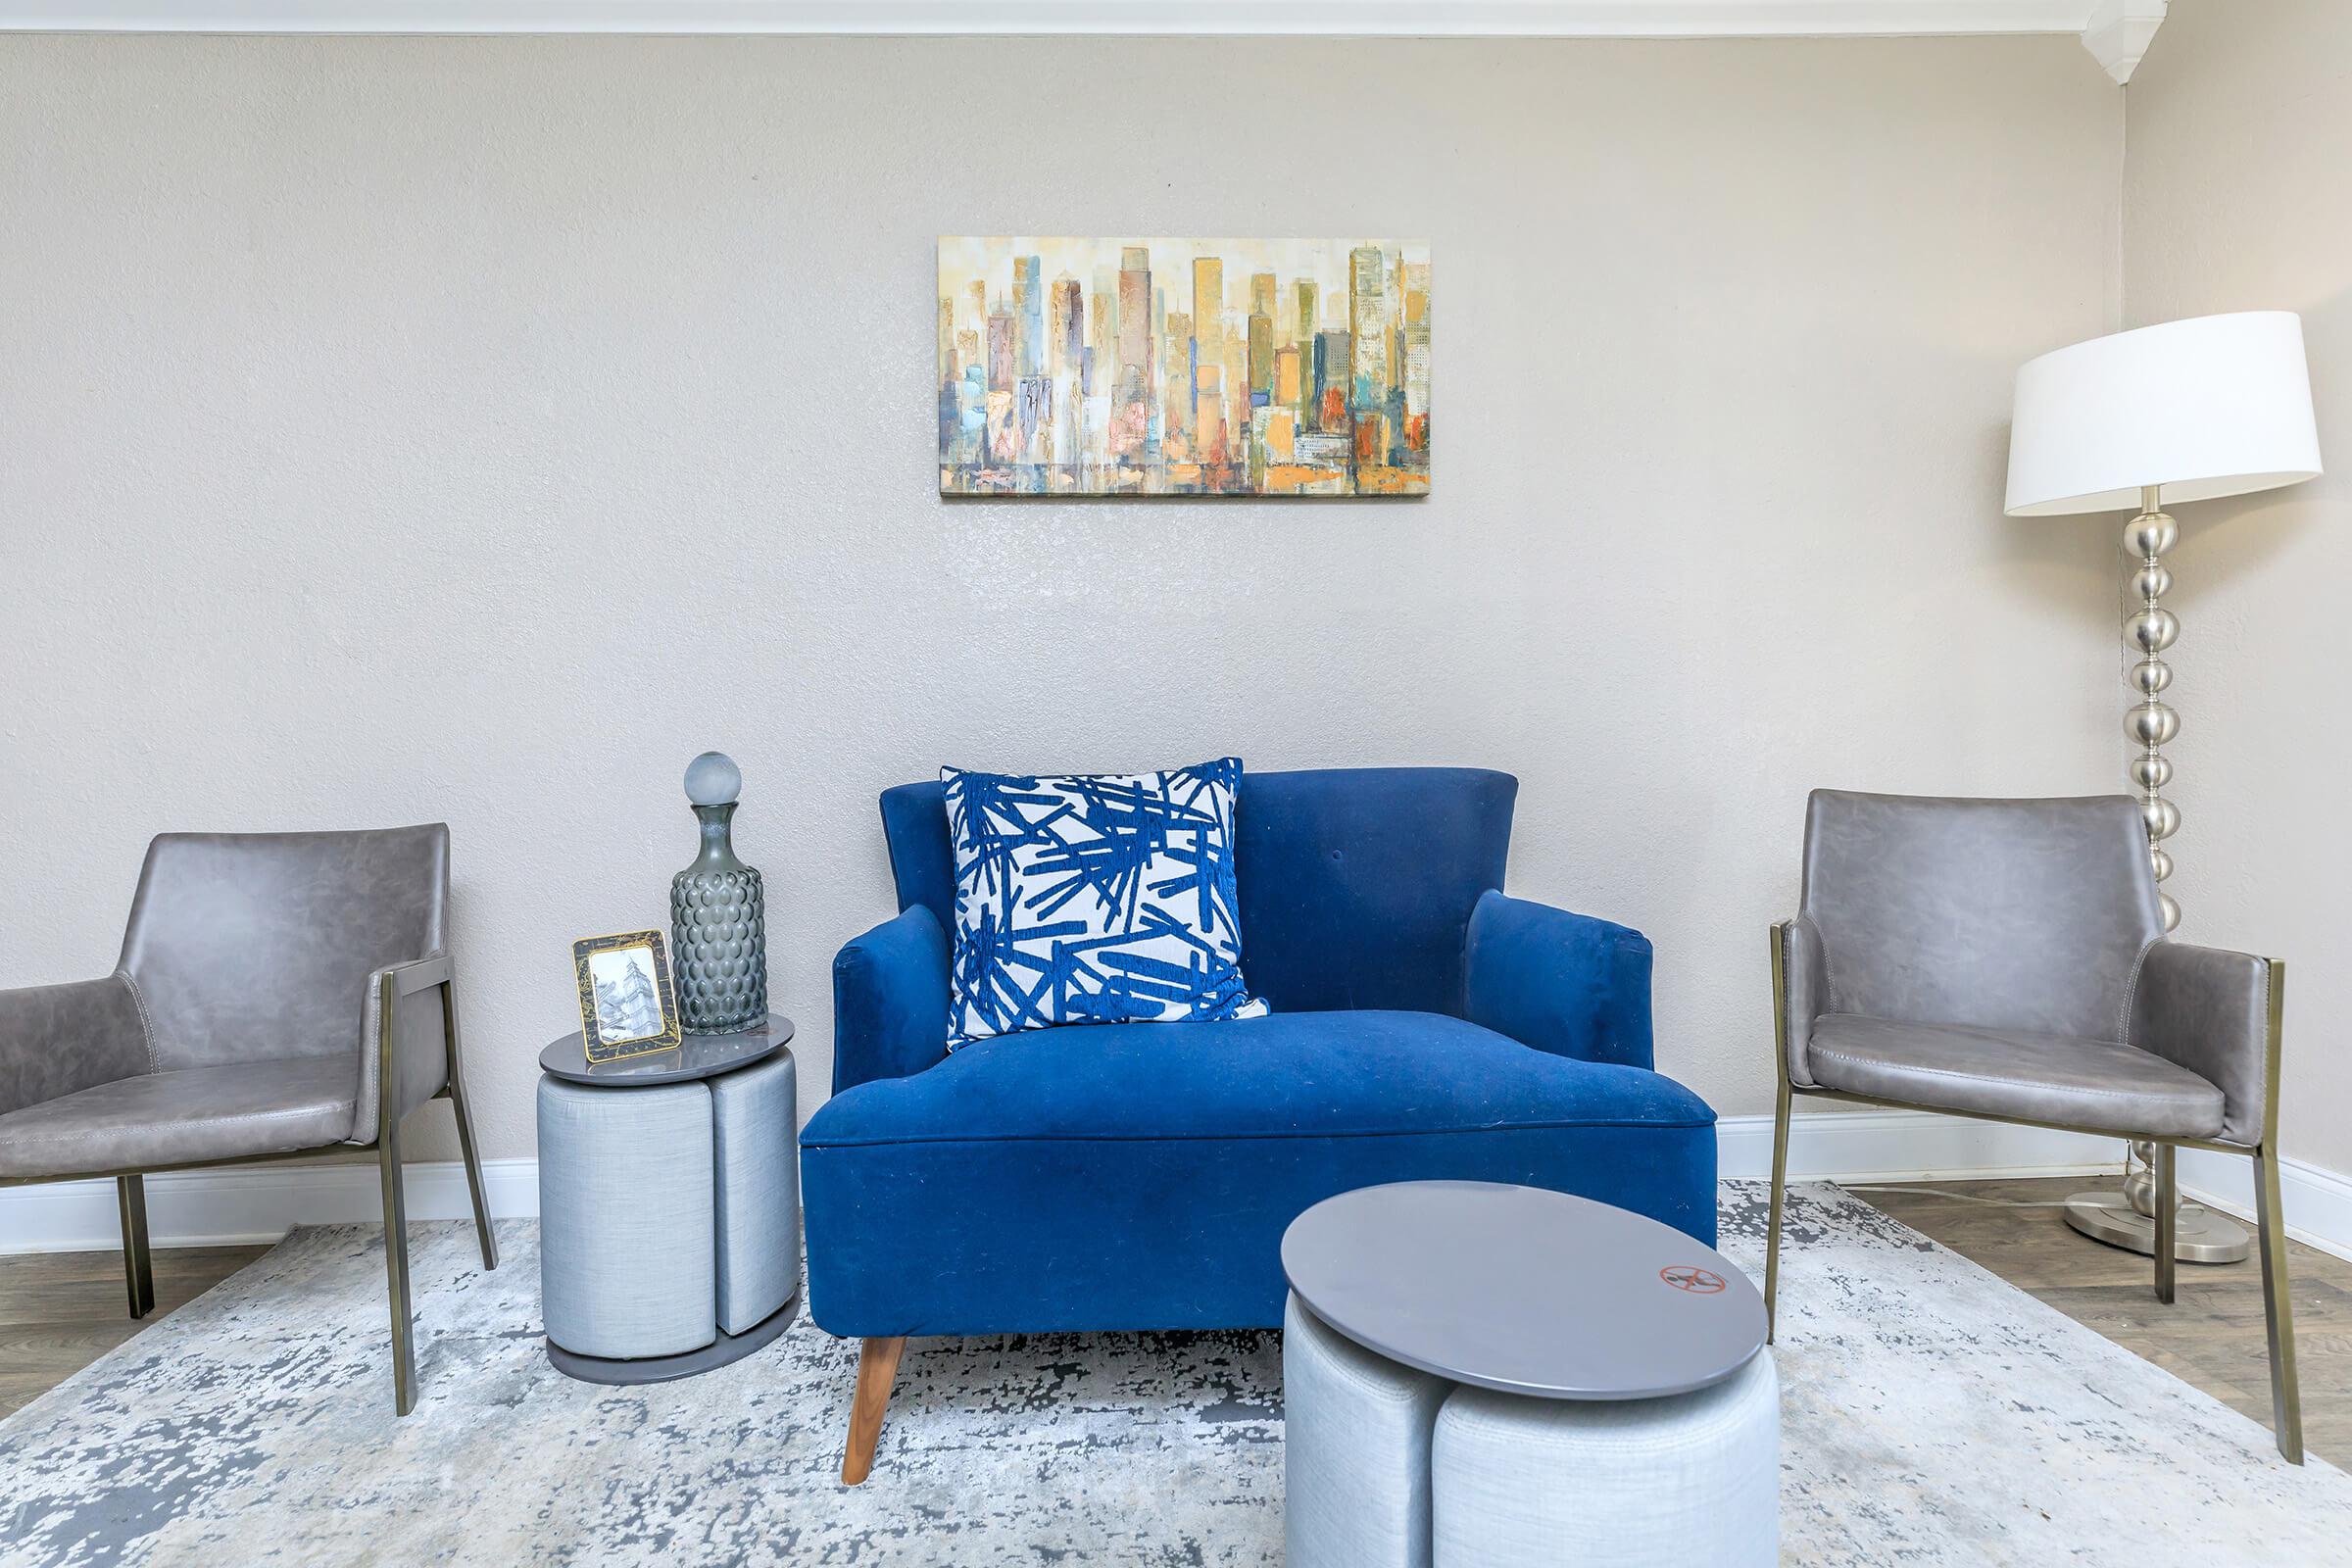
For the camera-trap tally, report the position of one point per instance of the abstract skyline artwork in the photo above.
(1183, 366)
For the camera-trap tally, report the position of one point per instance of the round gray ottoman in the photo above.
(1694, 1478)
(670, 1215)
(1356, 1459)
(1479, 1375)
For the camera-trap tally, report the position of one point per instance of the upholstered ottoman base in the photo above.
(1356, 1459)
(622, 1371)
(1520, 1483)
(668, 1222)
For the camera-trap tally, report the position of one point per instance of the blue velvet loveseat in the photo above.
(1140, 1175)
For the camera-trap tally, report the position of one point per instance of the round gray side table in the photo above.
(1474, 1373)
(670, 1216)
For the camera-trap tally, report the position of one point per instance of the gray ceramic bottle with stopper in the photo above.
(717, 915)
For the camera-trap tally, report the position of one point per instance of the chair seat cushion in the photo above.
(2098, 1085)
(231, 1112)
(1140, 1176)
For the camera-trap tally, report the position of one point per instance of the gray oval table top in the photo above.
(1523, 1291)
(700, 1057)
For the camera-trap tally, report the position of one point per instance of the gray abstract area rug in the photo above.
(1932, 1415)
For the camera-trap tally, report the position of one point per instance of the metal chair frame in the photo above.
(399, 983)
(2286, 1399)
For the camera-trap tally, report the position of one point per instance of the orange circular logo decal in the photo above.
(1688, 1277)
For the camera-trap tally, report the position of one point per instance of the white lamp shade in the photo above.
(2213, 406)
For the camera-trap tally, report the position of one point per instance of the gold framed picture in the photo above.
(628, 1006)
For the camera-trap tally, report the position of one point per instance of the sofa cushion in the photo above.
(1287, 1075)
(1140, 1176)
(1094, 899)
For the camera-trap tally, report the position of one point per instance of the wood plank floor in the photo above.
(2211, 1336)
(60, 1311)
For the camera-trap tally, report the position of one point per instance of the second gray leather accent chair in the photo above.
(279, 993)
(2005, 959)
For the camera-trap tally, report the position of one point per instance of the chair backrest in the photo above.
(257, 947)
(2005, 915)
(1356, 884)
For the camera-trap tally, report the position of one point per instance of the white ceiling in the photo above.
(2115, 30)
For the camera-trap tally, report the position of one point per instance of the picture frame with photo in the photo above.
(628, 1004)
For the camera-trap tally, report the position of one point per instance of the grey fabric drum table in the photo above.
(670, 1213)
(1480, 1374)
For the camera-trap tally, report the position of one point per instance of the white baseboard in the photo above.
(1907, 1146)
(242, 1205)
(258, 1203)
(2317, 1202)
(1915, 1146)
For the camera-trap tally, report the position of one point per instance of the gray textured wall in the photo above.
(2235, 198)
(476, 429)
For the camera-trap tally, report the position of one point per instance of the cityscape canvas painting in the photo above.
(1183, 366)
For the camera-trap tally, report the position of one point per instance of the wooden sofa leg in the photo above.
(877, 1369)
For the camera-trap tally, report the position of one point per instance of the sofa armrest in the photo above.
(1564, 983)
(60, 1040)
(1800, 975)
(2210, 1011)
(890, 1001)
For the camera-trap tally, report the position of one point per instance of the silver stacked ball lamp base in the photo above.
(2127, 1218)
(2203, 1237)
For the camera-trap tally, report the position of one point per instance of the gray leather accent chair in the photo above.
(2005, 959)
(278, 994)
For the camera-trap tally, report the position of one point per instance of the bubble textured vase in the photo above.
(717, 913)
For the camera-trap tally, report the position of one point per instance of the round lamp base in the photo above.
(2201, 1237)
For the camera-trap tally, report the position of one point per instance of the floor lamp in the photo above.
(2188, 410)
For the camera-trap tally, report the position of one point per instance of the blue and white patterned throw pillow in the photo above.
(1094, 899)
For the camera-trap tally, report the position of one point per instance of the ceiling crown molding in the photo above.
(2117, 34)
(2123, 25)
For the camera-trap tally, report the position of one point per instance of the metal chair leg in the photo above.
(1772, 1228)
(2167, 1220)
(395, 1269)
(2278, 1316)
(138, 1266)
(465, 1113)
